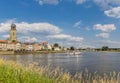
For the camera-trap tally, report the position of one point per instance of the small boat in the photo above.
(75, 53)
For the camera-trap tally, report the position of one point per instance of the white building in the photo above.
(10, 46)
(3, 45)
(46, 46)
(57, 49)
(18, 46)
(29, 47)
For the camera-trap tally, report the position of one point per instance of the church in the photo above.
(13, 39)
(12, 44)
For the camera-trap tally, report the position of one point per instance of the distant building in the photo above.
(11, 46)
(40, 46)
(3, 45)
(64, 49)
(13, 37)
(29, 47)
(18, 46)
(57, 49)
(46, 46)
(36, 46)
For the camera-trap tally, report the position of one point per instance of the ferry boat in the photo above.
(75, 53)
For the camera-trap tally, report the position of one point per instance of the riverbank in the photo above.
(13, 72)
(109, 51)
(28, 52)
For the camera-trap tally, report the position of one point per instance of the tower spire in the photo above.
(13, 37)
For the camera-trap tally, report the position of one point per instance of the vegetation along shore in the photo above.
(12, 72)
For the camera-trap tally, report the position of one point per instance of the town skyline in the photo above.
(79, 23)
(14, 45)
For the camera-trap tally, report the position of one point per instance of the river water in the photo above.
(102, 62)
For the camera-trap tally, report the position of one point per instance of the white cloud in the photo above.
(66, 37)
(77, 24)
(80, 1)
(28, 39)
(51, 2)
(55, 2)
(6, 36)
(110, 43)
(86, 46)
(105, 28)
(103, 35)
(106, 4)
(76, 44)
(39, 27)
(113, 12)
(4, 26)
(24, 27)
(102, 3)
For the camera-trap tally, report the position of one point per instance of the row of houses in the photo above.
(4, 45)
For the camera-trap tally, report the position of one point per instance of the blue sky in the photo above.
(81, 23)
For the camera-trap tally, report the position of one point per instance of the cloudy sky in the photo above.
(81, 23)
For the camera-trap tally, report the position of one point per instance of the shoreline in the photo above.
(28, 52)
(108, 51)
(43, 52)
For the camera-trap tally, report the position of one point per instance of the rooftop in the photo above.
(3, 41)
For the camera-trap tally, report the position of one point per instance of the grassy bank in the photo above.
(11, 72)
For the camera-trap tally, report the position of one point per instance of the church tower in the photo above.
(13, 37)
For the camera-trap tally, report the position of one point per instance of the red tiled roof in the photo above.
(45, 43)
(3, 41)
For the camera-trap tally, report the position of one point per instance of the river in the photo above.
(102, 62)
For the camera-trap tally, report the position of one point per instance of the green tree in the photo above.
(13, 41)
(56, 45)
(105, 48)
(72, 48)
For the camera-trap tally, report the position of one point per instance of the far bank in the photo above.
(28, 52)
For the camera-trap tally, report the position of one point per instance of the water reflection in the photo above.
(101, 62)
